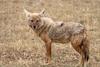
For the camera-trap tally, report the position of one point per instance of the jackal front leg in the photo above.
(48, 42)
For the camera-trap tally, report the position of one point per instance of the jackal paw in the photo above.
(79, 65)
(46, 61)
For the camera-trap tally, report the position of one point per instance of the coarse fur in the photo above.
(60, 32)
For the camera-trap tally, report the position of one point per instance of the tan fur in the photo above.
(51, 31)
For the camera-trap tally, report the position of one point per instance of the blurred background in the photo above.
(20, 47)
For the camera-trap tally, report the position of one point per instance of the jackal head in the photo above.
(34, 19)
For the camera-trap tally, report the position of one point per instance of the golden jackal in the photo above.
(50, 31)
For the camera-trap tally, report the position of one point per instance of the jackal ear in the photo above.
(42, 12)
(28, 14)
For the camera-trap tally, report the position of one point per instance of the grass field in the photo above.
(20, 47)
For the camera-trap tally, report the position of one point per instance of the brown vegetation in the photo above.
(21, 48)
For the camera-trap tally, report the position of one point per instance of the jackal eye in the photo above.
(37, 20)
(32, 20)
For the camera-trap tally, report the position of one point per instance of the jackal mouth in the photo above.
(34, 27)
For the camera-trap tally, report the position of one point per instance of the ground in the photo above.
(19, 45)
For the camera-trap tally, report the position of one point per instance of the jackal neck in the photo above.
(43, 26)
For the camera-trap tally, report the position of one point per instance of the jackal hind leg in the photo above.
(81, 61)
(76, 42)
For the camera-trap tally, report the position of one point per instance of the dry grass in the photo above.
(17, 47)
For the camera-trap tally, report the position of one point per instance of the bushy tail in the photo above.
(85, 49)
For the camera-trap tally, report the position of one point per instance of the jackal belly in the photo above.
(62, 40)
